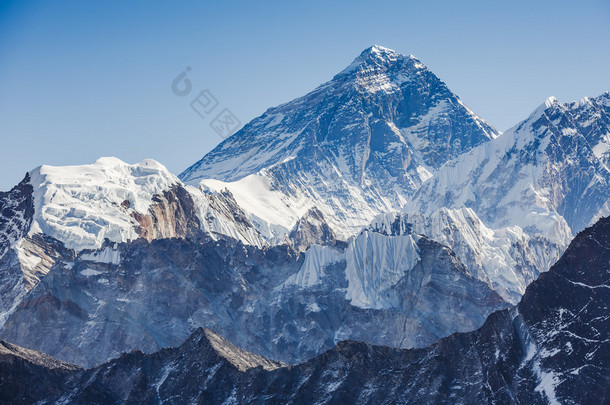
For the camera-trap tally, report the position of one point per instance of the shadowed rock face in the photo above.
(551, 348)
(152, 295)
(28, 376)
(16, 212)
(144, 295)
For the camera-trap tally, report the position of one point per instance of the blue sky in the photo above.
(79, 80)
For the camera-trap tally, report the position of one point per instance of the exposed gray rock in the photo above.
(546, 350)
(311, 229)
(152, 295)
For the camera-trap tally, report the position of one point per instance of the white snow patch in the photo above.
(106, 255)
(81, 205)
(313, 307)
(312, 270)
(375, 263)
(548, 381)
(91, 272)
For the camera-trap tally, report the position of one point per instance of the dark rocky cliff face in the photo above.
(28, 376)
(551, 348)
(16, 212)
(147, 296)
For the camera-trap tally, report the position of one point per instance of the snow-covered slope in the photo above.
(548, 175)
(507, 259)
(374, 264)
(82, 206)
(354, 147)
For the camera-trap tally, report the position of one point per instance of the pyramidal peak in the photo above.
(377, 51)
(549, 102)
(376, 57)
(386, 122)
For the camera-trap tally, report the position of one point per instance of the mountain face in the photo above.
(547, 349)
(354, 147)
(311, 229)
(28, 376)
(376, 208)
(120, 242)
(16, 213)
(401, 291)
(506, 259)
(57, 212)
(549, 174)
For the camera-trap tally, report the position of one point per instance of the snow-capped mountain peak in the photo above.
(375, 57)
(80, 205)
(549, 174)
(354, 147)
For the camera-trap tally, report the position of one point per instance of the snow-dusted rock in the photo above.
(552, 348)
(400, 291)
(57, 212)
(507, 259)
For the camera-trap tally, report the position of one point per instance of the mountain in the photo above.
(546, 350)
(16, 212)
(506, 259)
(27, 376)
(548, 175)
(56, 213)
(134, 258)
(354, 147)
(81, 206)
(311, 229)
(401, 291)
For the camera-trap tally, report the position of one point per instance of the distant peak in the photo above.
(378, 56)
(239, 358)
(604, 98)
(379, 50)
(109, 161)
(549, 102)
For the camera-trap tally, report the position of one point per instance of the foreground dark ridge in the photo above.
(551, 348)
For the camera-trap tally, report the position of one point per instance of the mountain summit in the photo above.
(354, 147)
(548, 174)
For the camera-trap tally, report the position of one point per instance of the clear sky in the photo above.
(80, 79)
